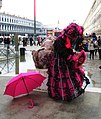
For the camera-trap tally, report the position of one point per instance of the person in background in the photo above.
(39, 40)
(34, 42)
(96, 47)
(25, 40)
(99, 47)
(12, 40)
(94, 37)
(5, 41)
(31, 41)
(91, 48)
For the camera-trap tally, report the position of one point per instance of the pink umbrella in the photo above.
(23, 83)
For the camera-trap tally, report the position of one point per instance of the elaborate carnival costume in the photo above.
(42, 56)
(65, 72)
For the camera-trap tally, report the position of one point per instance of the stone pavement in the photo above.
(87, 106)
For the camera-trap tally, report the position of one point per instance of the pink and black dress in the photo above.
(65, 73)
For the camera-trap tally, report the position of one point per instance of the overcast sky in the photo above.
(50, 11)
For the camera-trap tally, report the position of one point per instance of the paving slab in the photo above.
(87, 106)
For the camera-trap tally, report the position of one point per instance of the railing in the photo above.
(7, 58)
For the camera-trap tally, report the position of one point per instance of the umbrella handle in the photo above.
(32, 104)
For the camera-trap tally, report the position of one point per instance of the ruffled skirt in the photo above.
(64, 81)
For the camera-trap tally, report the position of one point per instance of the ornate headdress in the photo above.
(73, 34)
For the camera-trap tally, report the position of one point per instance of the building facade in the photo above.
(92, 23)
(11, 24)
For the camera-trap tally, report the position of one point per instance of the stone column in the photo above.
(17, 54)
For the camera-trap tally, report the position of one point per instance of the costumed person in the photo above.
(65, 73)
(42, 56)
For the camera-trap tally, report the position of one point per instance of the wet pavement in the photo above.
(92, 66)
(87, 106)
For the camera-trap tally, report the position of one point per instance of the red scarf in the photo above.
(68, 44)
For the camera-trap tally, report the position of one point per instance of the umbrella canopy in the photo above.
(23, 83)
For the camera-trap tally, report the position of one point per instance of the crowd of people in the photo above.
(94, 47)
(24, 40)
(91, 44)
(7, 41)
(32, 41)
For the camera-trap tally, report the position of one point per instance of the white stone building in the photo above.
(92, 23)
(11, 24)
